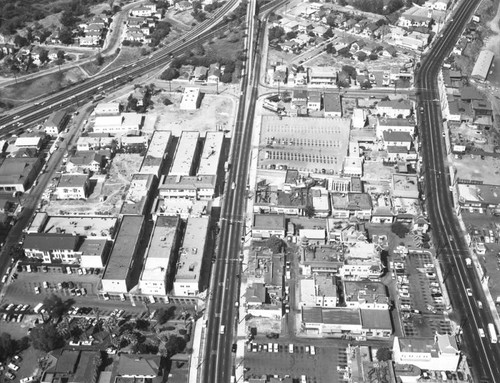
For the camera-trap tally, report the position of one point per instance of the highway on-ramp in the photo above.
(452, 249)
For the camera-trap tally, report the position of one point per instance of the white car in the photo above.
(37, 290)
(481, 332)
(13, 366)
(469, 291)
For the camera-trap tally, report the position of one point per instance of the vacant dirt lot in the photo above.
(106, 191)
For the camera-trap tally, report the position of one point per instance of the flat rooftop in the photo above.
(193, 246)
(185, 154)
(309, 145)
(158, 144)
(84, 226)
(370, 292)
(210, 156)
(137, 194)
(160, 248)
(123, 252)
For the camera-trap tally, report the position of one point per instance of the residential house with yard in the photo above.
(73, 186)
(145, 10)
(85, 162)
(213, 74)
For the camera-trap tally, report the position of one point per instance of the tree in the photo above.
(66, 36)
(275, 33)
(165, 314)
(43, 56)
(68, 18)
(55, 306)
(99, 60)
(227, 77)
(198, 50)
(21, 41)
(275, 244)
(8, 346)
(61, 54)
(174, 345)
(46, 337)
(384, 354)
(169, 74)
(309, 211)
(328, 34)
(141, 324)
(400, 229)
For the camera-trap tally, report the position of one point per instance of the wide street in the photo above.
(484, 357)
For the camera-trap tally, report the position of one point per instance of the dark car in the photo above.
(234, 346)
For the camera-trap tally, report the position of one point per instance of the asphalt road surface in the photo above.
(484, 357)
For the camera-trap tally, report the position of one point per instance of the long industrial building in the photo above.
(187, 282)
(185, 155)
(117, 276)
(153, 160)
(160, 256)
(211, 154)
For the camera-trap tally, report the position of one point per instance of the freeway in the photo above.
(483, 356)
(222, 311)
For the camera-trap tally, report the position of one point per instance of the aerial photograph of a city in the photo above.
(250, 191)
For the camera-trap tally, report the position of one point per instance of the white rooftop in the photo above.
(210, 156)
(160, 248)
(191, 256)
(185, 154)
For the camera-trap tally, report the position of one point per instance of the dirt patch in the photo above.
(107, 191)
(265, 325)
(41, 86)
(215, 112)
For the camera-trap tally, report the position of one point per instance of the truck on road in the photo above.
(492, 332)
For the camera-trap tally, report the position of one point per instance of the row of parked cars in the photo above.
(275, 347)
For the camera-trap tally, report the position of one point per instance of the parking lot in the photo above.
(326, 365)
(37, 285)
(420, 302)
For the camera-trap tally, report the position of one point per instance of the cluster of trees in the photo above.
(46, 338)
(276, 33)
(161, 31)
(378, 7)
(275, 244)
(212, 7)
(9, 347)
(238, 14)
(197, 13)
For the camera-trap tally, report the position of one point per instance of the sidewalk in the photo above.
(472, 254)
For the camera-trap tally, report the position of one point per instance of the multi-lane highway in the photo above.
(222, 312)
(484, 357)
